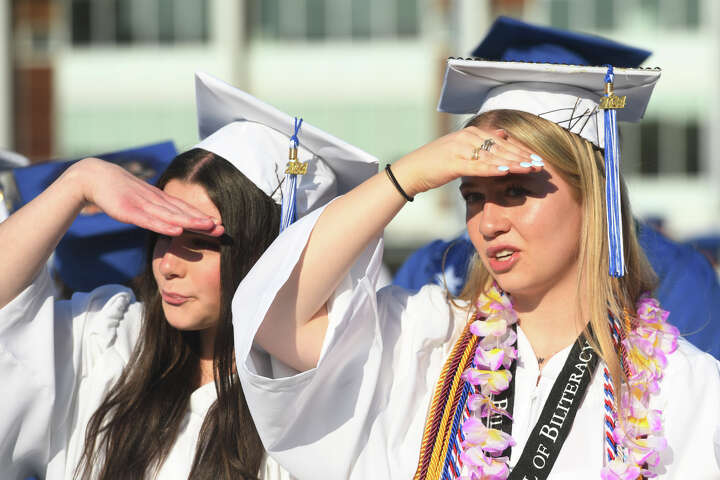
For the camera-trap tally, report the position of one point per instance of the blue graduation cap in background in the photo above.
(98, 250)
(513, 40)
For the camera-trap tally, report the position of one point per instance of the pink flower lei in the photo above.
(638, 435)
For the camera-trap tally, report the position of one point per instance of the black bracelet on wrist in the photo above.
(397, 185)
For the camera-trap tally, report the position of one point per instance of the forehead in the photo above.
(193, 194)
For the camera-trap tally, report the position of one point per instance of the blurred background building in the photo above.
(84, 76)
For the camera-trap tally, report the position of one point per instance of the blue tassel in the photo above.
(612, 187)
(287, 216)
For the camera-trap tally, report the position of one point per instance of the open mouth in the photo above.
(502, 258)
(504, 255)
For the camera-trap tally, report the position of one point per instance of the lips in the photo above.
(501, 258)
(173, 298)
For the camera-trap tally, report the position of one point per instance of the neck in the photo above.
(551, 319)
(206, 356)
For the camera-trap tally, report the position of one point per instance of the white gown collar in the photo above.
(202, 398)
(528, 361)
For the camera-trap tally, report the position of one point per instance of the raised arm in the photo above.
(31, 234)
(294, 327)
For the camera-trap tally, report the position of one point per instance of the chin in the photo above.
(185, 321)
(508, 285)
(521, 287)
(516, 282)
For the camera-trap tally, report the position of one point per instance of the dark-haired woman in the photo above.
(106, 387)
(140, 388)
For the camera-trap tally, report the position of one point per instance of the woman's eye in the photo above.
(516, 191)
(473, 198)
(202, 244)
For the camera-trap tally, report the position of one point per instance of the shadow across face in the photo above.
(189, 246)
(507, 191)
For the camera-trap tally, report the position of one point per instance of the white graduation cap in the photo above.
(568, 95)
(255, 137)
(585, 100)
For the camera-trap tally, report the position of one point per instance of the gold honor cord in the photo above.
(448, 390)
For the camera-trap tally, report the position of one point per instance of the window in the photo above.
(407, 19)
(649, 147)
(316, 20)
(692, 13)
(655, 147)
(650, 10)
(680, 14)
(361, 19)
(560, 13)
(605, 15)
(80, 22)
(630, 148)
(125, 22)
(692, 149)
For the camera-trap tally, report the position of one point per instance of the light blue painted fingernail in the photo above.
(525, 164)
(536, 158)
(535, 163)
(503, 168)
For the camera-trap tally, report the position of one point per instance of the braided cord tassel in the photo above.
(288, 199)
(610, 416)
(613, 450)
(612, 180)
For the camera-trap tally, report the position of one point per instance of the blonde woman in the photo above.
(545, 367)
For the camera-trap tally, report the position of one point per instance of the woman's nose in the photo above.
(493, 220)
(171, 264)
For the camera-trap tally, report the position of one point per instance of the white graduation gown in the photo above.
(58, 359)
(360, 413)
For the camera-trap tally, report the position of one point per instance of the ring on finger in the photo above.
(476, 153)
(487, 144)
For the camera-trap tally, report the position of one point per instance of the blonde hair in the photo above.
(581, 165)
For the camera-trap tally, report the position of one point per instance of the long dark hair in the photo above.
(133, 430)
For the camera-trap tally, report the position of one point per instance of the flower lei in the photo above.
(640, 431)
(638, 436)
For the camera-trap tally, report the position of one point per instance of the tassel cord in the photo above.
(616, 258)
(288, 213)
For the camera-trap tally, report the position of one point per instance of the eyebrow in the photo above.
(223, 239)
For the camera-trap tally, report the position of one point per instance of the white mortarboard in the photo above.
(568, 95)
(255, 136)
(585, 100)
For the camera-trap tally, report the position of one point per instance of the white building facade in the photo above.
(370, 72)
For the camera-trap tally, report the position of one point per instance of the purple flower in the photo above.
(493, 326)
(490, 440)
(617, 470)
(491, 359)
